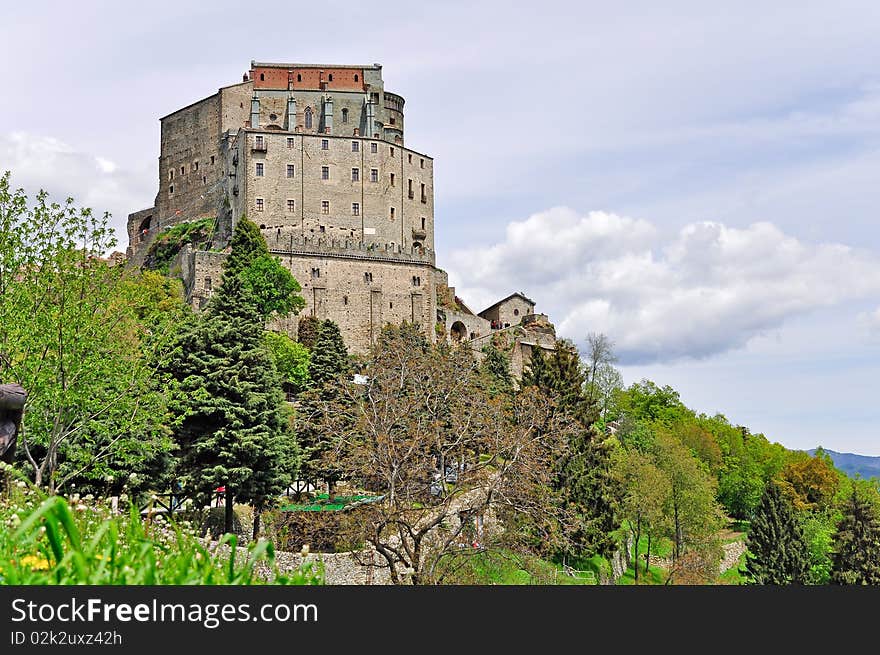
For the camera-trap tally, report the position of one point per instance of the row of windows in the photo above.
(299, 77)
(355, 147)
(259, 171)
(260, 205)
(193, 168)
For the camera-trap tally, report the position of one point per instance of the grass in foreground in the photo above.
(60, 544)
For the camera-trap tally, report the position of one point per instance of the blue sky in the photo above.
(700, 184)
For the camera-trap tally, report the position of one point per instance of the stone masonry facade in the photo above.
(315, 156)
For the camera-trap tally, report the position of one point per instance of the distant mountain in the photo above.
(849, 463)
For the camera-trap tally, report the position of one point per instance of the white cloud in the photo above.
(707, 289)
(43, 162)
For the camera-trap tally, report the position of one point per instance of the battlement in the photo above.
(282, 243)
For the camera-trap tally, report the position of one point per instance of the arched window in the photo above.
(308, 118)
(355, 77)
(262, 77)
(330, 77)
(345, 115)
(299, 78)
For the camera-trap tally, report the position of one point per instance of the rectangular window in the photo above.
(392, 213)
(355, 146)
(368, 277)
(195, 166)
(325, 206)
(325, 172)
(409, 158)
(355, 175)
(424, 197)
(171, 190)
(392, 179)
(212, 160)
(171, 174)
(258, 141)
(290, 170)
(374, 148)
(290, 142)
(325, 144)
(291, 206)
(374, 175)
(259, 169)
(392, 151)
(355, 209)
(316, 273)
(409, 191)
(421, 163)
(259, 204)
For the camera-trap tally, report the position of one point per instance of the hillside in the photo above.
(852, 464)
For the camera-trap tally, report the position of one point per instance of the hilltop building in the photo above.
(315, 156)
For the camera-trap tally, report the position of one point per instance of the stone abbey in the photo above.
(315, 156)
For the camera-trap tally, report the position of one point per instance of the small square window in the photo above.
(374, 148)
(355, 209)
(291, 205)
(355, 146)
(325, 206)
(290, 142)
(259, 169)
(290, 170)
(259, 204)
(322, 229)
(325, 172)
(325, 144)
(374, 175)
(355, 174)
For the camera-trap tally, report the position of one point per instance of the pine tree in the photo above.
(329, 356)
(536, 373)
(307, 331)
(856, 544)
(227, 399)
(496, 369)
(247, 244)
(776, 547)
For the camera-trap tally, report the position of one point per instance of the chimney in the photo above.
(291, 113)
(255, 111)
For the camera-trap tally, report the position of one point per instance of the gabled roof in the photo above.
(504, 300)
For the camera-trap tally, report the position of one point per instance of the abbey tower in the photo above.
(315, 155)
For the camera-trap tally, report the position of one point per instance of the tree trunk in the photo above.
(648, 555)
(256, 522)
(638, 534)
(229, 512)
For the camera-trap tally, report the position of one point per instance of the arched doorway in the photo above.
(458, 331)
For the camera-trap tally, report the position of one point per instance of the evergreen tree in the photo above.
(536, 373)
(776, 547)
(329, 356)
(496, 369)
(856, 544)
(247, 245)
(307, 331)
(227, 399)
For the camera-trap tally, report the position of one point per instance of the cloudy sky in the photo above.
(700, 184)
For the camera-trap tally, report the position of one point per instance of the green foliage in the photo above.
(77, 333)
(818, 530)
(856, 544)
(307, 331)
(276, 290)
(56, 544)
(646, 401)
(171, 241)
(227, 399)
(291, 360)
(777, 548)
(329, 359)
(496, 369)
(247, 246)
